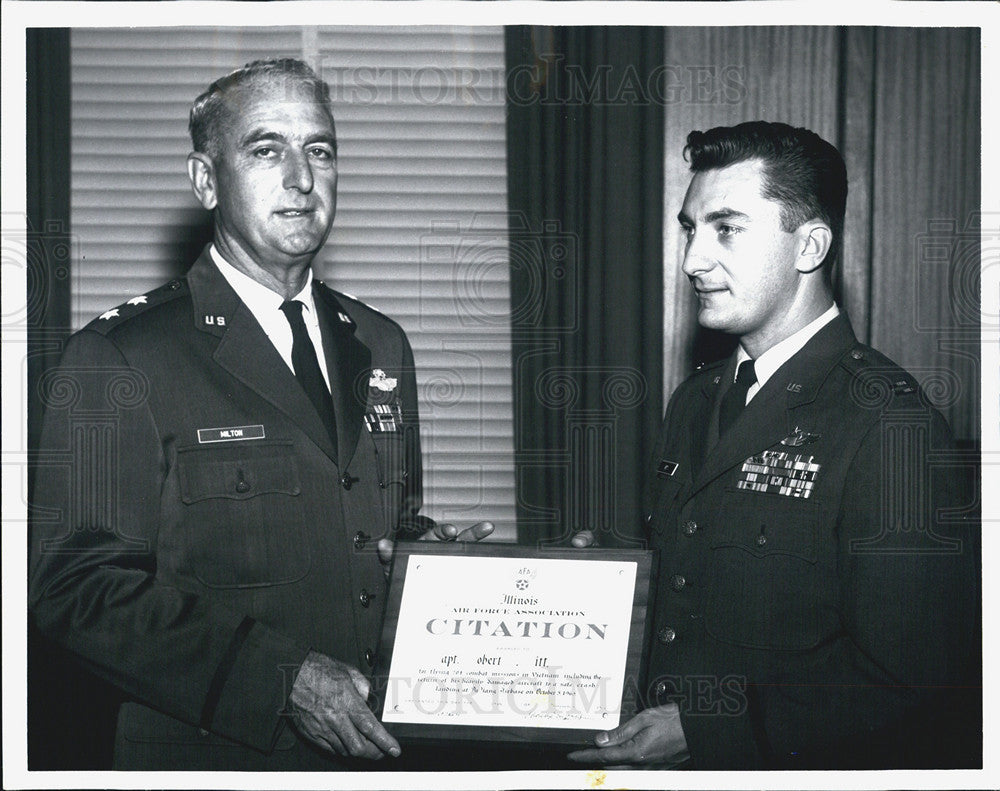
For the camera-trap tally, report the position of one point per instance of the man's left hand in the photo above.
(448, 532)
(583, 539)
(440, 532)
(653, 736)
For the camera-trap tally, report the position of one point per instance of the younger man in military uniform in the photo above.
(817, 601)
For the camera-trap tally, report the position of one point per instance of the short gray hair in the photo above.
(209, 109)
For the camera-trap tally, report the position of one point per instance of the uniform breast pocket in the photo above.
(763, 575)
(243, 514)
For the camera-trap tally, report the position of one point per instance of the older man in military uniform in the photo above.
(817, 600)
(237, 444)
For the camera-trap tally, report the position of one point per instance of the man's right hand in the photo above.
(440, 532)
(328, 705)
(652, 738)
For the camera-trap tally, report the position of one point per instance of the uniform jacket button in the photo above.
(661, 688)
(761, 540)
(242, 486)
(678, 582)
(690, 527)
(365, 597)
(346, 481)
(360, 539)
(370, 657)
(649, 517)
(666, 635)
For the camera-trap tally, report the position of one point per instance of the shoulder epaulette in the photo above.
(138, 305)
(878, 371)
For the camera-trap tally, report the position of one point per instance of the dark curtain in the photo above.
(48, 244)
(914, 94)
(585, 163)
(71, 713)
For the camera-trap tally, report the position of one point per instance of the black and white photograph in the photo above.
(499, 395)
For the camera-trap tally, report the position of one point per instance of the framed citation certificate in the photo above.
(511, 643)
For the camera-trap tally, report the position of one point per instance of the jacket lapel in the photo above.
(348, 362)
(247, 353)
(771, 415)
(705, 430)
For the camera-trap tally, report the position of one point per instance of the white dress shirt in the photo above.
(266, 308)
(779, 354)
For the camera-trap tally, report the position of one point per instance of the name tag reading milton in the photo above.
(229, 434)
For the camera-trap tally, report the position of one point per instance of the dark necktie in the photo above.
(307, 369)
(735, 398)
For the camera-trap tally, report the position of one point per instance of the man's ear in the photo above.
(815, 238)
(201, 171)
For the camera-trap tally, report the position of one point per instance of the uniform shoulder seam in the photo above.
(883, 375)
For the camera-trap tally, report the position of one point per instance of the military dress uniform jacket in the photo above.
(817, 599)
(195, 534)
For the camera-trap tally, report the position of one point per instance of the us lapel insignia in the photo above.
(798, 438)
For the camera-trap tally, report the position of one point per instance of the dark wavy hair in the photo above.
(208, 110)
(802, 172)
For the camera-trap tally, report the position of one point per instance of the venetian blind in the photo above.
(421, 229)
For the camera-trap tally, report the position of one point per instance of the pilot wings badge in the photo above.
(798, 438)
(380, 381)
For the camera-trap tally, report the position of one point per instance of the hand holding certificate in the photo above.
(511, 643)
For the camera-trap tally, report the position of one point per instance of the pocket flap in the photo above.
(770, 527)
(237, 473)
